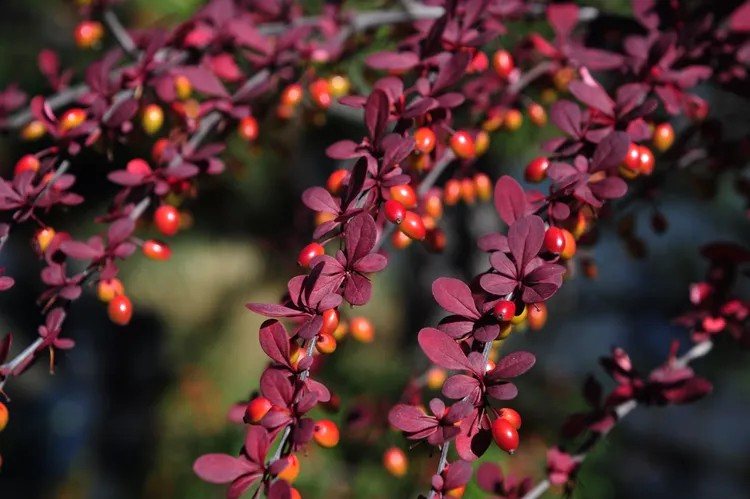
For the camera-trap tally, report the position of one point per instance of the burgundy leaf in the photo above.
(610, 151)
(512, 365)
(441, 349)
(510, 199)
(525, 238)
(274, 340)
(221, 468)
(360, 236)
(376, 113)
(567, 116)
(455, 297)
(392, 60)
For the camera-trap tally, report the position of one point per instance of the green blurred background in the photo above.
(129, 409)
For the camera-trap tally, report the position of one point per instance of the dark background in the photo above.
(129, 409)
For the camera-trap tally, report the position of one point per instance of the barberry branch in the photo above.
(120, 33)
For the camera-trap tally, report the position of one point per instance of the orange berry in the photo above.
(435, 378)
(399, 240)
(43, 238)
(294, 494)
(325, 343)
(152, 118)
(107, 289)
(291, 96)
(513, 120)
(26, 163)
(503, 63)
(537, 316)
(433, 206)
(3, 416)
(335, 182)
(326, 433)
(72, 118)
(452, 192)
(361, 329)
(291, 472)
(456, 493)
(425, 140)
(483, 186)
(468, 191)
(88, 34)
(247, 129)
(462, 145)
(339, 85)
(183, 87)
(537, 114)
(33, 130)
(569, 248)
(395, 461)
(405, 195)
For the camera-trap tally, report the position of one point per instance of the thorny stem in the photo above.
(120, 33)
(697, 351)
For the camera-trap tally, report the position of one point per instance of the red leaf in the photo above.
(274, 340)
(221, 468)
(376, 114)
(567, 116)
(510, 199)
(525, 238)
(455, 297)
(441, 349)
(512, 365)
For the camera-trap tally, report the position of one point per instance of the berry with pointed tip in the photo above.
(505, 435)
(536, 170)
(43, 238)
(569, 248)
(394, 211)
(257, 409)
(331, 319)
(395, 461)
(107, 289)
(152, 118)
(167, 220)
(537, 317)
(424, 139)
(405, 195)
(554, 240)
(511, 416)
(26, 163)
(647, 162)
(504, 310)
(361, 329)
(413, 226)
(502, 63)
(120, 310)
(325, 343)
(335, 182)
(157, 250)
(88, 34)
(291, 472)
(72, 118)
(3, 416)
(247, 129)
(462, 145)
(308, 253)
(326, 433)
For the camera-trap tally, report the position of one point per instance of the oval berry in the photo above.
(536, 170)
(3, 416)
(569, 248)
(513, 120)
(413, 226)
(502, 63)
(330, 321)
(339, 85)
(511, 416)
(72, 118)
(320, 93)
(257, 409)
(326, 433)
(335, 182)
(481, 143)
(183, 87)
(292, 95)
(505, 435)
(483, 186)
(120, 310)
(167, 220)
(537, 316)
(425, 140)
(405, 195)
(107, 289)
(34, 130)
(157, 250)
(663, 137)
(26, 163)
(399, 240)
(291, 472)
(452, 192)
(308, 253)
(394, 211)
(361, 329)
(554, 240)
(43, 238)
(247, 129)
(647, 160)
(462, 145)
(325, 343)
(152, 119)
(537, 114)
(395, 461)
(504, 310)
(88, 34)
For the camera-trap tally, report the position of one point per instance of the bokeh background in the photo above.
(129, 409)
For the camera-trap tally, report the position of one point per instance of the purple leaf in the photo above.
(512, 365)
(319, 199)
(441, 349)
(455, 297)
(392, 60)
(510, 199)
(611, 151)
(563, 18)
(221, 468)
(274, 340)
(740, 18)
(593, 96)
(273, 310)
(409, 418)
(525, 238)
(567, 116)
(79, 250)
(360, 236)
(376, 114)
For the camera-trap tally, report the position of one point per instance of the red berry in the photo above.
(157, 151)
(425, 140)
(394, 211)
(554, 240)
(536, 170)
(326, 433)
(647, 160)
(435, 240)
(120, 310)
(569, 248)
(167, 220)
(247, 128)
(462, 145)
(511, 416)
(503, 63)
(479, 63)
(325, 343)
(504, 310)
(395, 462)
(632, 159)
(72, 118)
(505, 435)
(156, 250)
(413, 226)
(361, 329)
(399, 240)
(257, 409)
(537, 114)
(330, 321)
(320, 92)
(294, 494)
(292, 95)
(88, 34)
(308, 253)
(405, 195)
(336, 181)
(138, 167)
(26, 163)
(452, 192)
